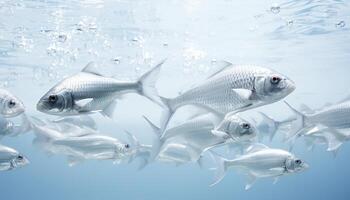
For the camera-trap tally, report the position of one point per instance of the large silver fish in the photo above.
(233, 89)
(10, 105)
(88, 91)
(11, 159)
(330, 124)
(259, 161)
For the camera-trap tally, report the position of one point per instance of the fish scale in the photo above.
(217, 93)
(335, 116)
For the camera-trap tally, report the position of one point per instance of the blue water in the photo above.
(42, 42)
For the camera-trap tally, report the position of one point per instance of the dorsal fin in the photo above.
(255, 147)
(222, 66)
(92, 68)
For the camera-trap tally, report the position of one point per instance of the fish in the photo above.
(201, 134)
(329, 124)
(88, 147)
(10, 128)
(173, 153)
(79, 146)
(10, 105)
(259, 161)
(232, 89)
(11, 159)
(237, 128)
(89, 91)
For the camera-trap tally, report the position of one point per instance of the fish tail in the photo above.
(157, 142)
(271, 123)
(297, 125)
(167, 114)
(148, 82)
(221, 168)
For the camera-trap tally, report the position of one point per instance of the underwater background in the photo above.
(43, 41)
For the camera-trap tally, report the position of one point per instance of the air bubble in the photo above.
(340, 24)
(275, 9)
(62, 38)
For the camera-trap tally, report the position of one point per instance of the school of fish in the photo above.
(215, 104)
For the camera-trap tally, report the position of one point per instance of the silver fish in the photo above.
(88, 91)
(97, 147)
(233, 89)
(10, 105)
(259, 161)
(80, 145)
(11, 159)
(201, 133)
(330, 124)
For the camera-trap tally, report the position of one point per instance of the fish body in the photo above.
(234, 89)
(330, 123)
(88, 91)
(77, 143)
(260, 162)
(202, 133)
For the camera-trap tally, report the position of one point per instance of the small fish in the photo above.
(330, 123)
(88, 91)
(88, 147)
(10, 128)
(11, 159)
(201, 134)
(259, 161)
(79, 145)
(232, 89)
(10, 105)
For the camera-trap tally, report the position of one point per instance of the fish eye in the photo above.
(245, 126)
(127, 146)
(275, 80)
(298, 162)
(12, 103)
(53, 98)
(19, 157)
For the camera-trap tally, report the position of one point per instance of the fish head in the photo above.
(237, 128)
(20, 161)
(55, 102)
(294, 164)
(12, 106)
(273, 86)
(125, 149)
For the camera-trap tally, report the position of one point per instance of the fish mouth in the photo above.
(40, 106)
(290, 85)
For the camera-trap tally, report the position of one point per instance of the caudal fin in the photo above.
(297, 125)
(167, 114)
(220, 169)
(148, 84)
(157, 142)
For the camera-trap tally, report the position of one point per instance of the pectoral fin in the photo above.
(74, 160)
(251, 179)
(81, 104)
(244, 93)
(108, 111)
